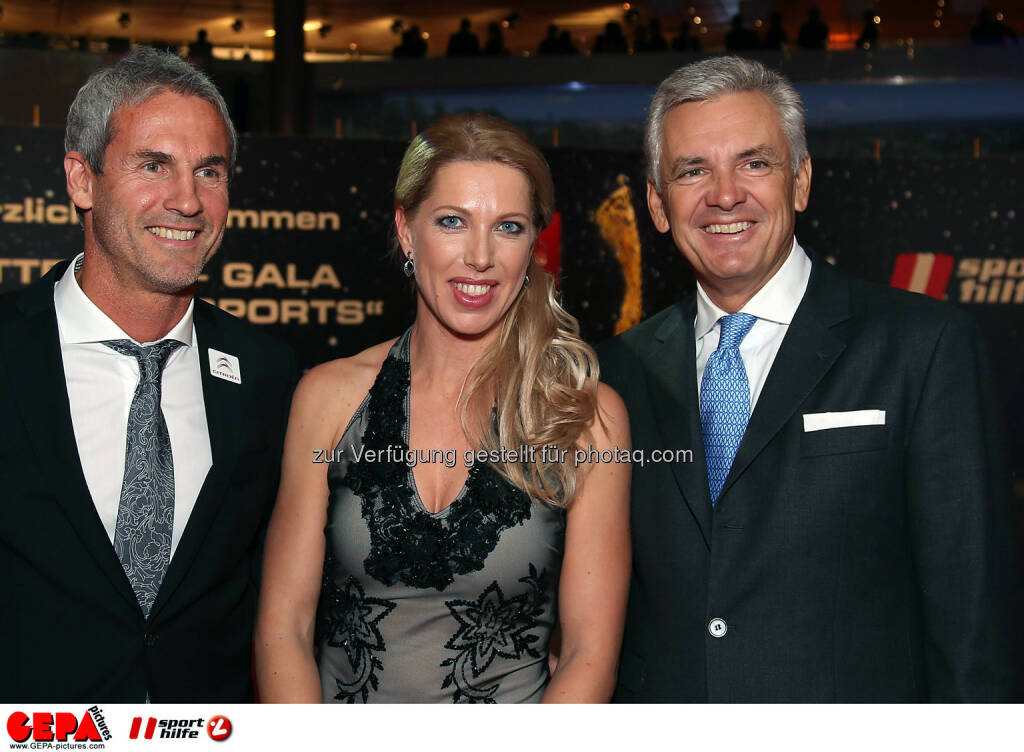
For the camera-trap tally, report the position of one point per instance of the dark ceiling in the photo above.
(368, 25)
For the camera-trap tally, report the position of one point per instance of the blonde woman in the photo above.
(462, 515)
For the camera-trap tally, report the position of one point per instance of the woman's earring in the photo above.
(526, 281)
(409, 267)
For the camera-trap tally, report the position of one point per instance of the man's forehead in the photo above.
(165, 114)
(735, 121)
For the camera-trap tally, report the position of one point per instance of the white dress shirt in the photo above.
(774, 305)
(101, 384)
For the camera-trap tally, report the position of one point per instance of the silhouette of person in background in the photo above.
(413, 44)
(641, 42)
(990, 31)
(740, 37)
(612, 41)
(686, 41)
(200, 52)
(463, 43)
(868, 38)
(814, 33)
(775, 37)
(549, 44)
(655, 39)
(495, 44)
(565, 45)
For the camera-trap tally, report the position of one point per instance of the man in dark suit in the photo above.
(841, 529)
(140, 427)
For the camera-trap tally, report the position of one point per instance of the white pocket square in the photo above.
(821, 421)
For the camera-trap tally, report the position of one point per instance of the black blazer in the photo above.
(72, 630)
(866, 563)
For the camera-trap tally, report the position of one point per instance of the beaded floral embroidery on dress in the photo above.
(407, 544)
(349, 620)
(489, 628)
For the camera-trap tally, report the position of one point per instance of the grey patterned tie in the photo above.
(145, 516)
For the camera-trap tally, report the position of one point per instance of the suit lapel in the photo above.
(810, 348)
(35, 343)
(673, 388)
(223, 404)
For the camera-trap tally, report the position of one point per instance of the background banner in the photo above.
(307, 250)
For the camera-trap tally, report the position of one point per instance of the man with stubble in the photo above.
(140, 427)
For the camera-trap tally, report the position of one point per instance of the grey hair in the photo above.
(709, 79)
(142, 73)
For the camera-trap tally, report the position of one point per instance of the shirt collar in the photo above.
(82, 321)
(777, 301)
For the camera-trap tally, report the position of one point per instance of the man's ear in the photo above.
(403, 231)
(80, 180)
(802, 185)
(656, 207)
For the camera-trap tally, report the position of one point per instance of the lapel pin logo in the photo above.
(225, 366)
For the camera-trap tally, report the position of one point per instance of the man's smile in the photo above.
(729, 229)
(172, 234)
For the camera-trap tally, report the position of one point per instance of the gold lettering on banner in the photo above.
(616, 220)
(25, 270)
(37, 211)
(301, 311)
(282, 219)
(241, 274)
(269, 275)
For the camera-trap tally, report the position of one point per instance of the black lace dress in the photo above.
(456, 606)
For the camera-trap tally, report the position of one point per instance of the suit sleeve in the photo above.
(287, 376)
(965, 545)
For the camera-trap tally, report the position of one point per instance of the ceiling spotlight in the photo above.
(237, 25)
(124, 19)
(325, 30)
(510, 20)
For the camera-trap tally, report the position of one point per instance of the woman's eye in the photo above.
(512, 228)
(450, 222)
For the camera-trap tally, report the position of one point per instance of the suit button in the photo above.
(149, 639)
(718, 627)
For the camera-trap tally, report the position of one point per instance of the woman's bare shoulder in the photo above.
(329, 394)
(611, 424)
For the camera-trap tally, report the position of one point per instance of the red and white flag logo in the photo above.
(926, 273)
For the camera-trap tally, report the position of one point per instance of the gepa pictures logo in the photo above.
(58, 727)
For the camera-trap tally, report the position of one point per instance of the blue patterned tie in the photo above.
(145, 516)
(725, 400)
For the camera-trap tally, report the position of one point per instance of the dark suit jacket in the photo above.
(867, 563)
(72, 630)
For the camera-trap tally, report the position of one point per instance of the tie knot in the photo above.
(735, 327)
(152, 359)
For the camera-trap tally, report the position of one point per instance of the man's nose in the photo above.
(182, 196)
(726, 191)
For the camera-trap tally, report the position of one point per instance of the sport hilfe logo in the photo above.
(218, 728)
(58, 727)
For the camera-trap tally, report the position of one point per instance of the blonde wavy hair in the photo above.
(539, 375)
